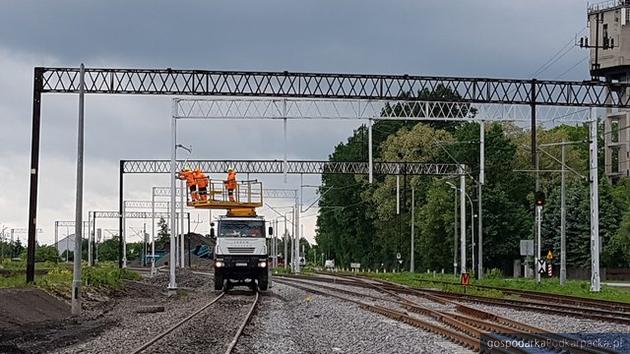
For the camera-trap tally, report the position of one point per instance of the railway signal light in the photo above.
(539, 198)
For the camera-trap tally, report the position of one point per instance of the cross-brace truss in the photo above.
(294, 167)
(332, 85)
(291, 108)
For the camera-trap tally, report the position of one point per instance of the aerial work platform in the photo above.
(247, 196)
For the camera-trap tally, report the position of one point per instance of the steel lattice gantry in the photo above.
(293, 167)
(330, 85)
(303, 85)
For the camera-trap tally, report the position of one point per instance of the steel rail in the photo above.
(479, 319)
(242, 326)
(175, 326)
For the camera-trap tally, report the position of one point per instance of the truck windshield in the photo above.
(241, 228)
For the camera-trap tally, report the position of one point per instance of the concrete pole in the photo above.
(563, 215)
(482, 181)
(172, 285)
(537, 216)
(370, 156)
(595, 281)
(462, 218)
(78, 216)
(412, 263)
(153, 231)
(182, 253)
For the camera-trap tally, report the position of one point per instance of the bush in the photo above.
(494, 273)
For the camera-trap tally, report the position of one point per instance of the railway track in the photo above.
(230, 346)
(582, 309)
(465, 326)
(613, 306)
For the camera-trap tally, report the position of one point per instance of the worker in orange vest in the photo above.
(230, 183)
(187, 175)
(202, 183)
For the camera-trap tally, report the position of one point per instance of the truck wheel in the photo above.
(263, 281)
(218, 281)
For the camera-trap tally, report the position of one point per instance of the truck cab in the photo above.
(240, 253)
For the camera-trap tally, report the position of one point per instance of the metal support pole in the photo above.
(532, 105)
(120, 210)
(538, 238)
(189, 250)
(412, 262)
(153, 231)
(94, 239)
(370, 156)
(56, 239)
(595, 281)
(172, 285)
(182, 249)
(123, 236)
(99, 235)
(32, 204)
(89, 240)
(145, 245)
(563, 215)
(455, 235)
(472, 234)
(482, 181)
(398, 194)
(462, 219)
(296, 246)
(286, 240)
(285, 165)
(78, 216)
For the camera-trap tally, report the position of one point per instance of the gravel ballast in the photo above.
(290, 320)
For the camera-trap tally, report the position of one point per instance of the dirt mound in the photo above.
(29, 305)
(183, 277)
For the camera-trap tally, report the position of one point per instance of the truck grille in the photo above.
(241, 250)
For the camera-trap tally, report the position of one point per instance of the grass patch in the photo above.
(59, 277)
(450, 283)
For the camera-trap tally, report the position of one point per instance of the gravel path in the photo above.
(290, 321)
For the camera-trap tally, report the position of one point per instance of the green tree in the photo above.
(163, 235)
(108, 249)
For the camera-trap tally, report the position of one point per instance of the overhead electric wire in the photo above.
(571, 68)
(557, 56)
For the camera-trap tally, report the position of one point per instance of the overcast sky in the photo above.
(489, 38)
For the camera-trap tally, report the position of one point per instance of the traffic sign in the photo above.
(355, 265)
(549, 255)
(549, 270)
(542, 266)
(527, 248)
(398, 256)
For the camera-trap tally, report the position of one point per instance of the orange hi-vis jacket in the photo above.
(188, 176)
(231, 180)
(201, 179)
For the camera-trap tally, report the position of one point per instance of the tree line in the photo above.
(358, 221)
